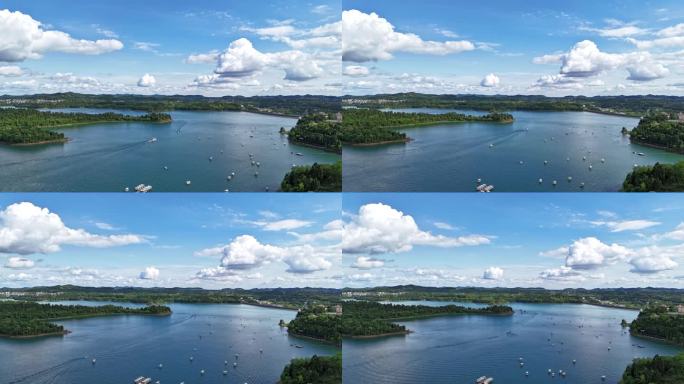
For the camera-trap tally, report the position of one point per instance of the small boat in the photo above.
(152, 140)
(555, 182)
(126, 189)
(161, 365)
(94, 361)
(188, 182)
(569, 178)
(641, 154)
(166, 168)
(541, 180)
(546, 162)
(202, 372)
(211, 158)
(299, 154)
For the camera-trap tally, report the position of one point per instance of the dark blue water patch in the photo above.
(126, 347)
(569, 148)
(460, 349)
(205, 148)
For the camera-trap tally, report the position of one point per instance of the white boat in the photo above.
(188, 182)
(152, 140)
(641, 154)
(299, 154)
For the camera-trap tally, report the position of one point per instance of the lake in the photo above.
(452, 157)
(130, 346)
(459, 349)
(110, 157)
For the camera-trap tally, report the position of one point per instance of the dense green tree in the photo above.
(660, 322)
(313, 178)
(655, 178)
(658, 370)
(313, 370)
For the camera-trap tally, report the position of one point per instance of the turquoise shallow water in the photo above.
(110, 157)
(459, 349)
(453, 157)
(126, 347)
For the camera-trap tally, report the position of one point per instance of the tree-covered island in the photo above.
(374, 127)
(29, 319)
(21, 126)
(365, 319)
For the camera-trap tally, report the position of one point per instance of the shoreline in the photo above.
(378, 143)
(380, 335)
(653, 338)
(315, 146)
(655, 146)
(324, 341)
(49, 334)
(44, 142)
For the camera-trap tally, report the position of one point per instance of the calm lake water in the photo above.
(459, 349)
(453, 157)
(130, 346)
(110, 157)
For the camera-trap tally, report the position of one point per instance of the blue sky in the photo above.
(112, 239)
(505, 38)
(545, 240)
(159, 38)
(334, 240)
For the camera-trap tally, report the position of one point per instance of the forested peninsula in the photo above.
(660, 130)
(21, 126)
(21, 319)
(663, 323)
(364, 319)
(363, 127)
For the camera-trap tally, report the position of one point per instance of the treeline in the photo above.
(286, 105)
(625, 297)
(630, 105)
(285, 297)
(313, 178)
(655, 178)
(26, 126)
(660, 130)
(658, 370)
(20, 318)
(318, 130)
(368, 126)
(313, 370)
(362, 118)
(660, 322)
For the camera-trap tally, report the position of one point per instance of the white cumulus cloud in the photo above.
(493, 273)
(147, 81)
(19, 263)
(150, 273)
(369, 37)
(365, 262)
(379, 228)
(25, 38)
(491, 80)
(26, 228)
